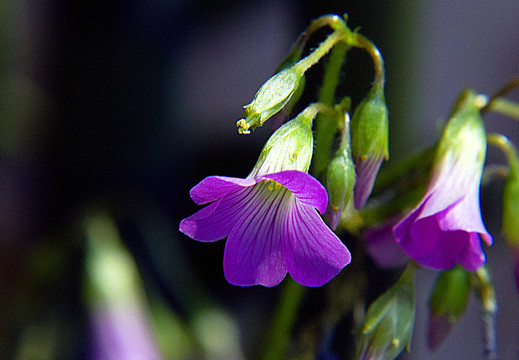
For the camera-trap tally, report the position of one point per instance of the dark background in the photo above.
(125, 105)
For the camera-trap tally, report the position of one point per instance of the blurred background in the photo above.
(110, 111)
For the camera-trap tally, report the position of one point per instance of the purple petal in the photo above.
(449, 246)
(306, 188)
(214, 187)
(367, 171)
(473, 257)
(439, 235)
(253, 254)
(407, 228)
(313, 253)
(464, 215)
(215, 221)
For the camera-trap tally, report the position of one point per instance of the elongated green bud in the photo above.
(340, 177)
(369, 132)
(389, 322)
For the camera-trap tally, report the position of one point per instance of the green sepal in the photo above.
(340, 177)
(370, 126)
(289, 148)
(464, 129)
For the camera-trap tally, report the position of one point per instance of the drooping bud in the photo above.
(270, 99)
(289, 148)
(340, 177)
(448, 303)
(369, 131)
(390, 320)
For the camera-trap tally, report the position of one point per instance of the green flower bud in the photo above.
(369, 131)
(340, 178)
(270, 99)
(448, 303)
(390, 320)
(289, 148)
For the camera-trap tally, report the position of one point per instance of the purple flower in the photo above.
(445, 227)
(382, 247)
(272, 227)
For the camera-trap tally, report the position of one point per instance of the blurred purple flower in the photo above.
(272, 228)
(382, 247)
(122, 332)
(445, 227)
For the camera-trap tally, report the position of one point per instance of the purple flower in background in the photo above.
(382, 247)
(272, 227)
(445, 227)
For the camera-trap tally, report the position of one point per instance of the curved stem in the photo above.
(505, 90)
(337, 36)
(334, 21)
(508, 148)
(504, 107)
(324, 128)
(359, 40)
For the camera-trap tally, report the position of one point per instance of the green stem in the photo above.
(323, 49)
(508, 148)
(504, 107)
(324, 128)
(284, 318)
(359, 40)
(334, 21)
(487, 297)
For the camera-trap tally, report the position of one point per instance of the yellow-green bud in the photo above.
(289, 148)
(270, 99)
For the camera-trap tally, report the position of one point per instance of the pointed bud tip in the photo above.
(439, 328)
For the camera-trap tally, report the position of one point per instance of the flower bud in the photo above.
(340, 178)
(289, 148)
(369, 131)
(448, 303)
(270, 99)
(390, 320)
